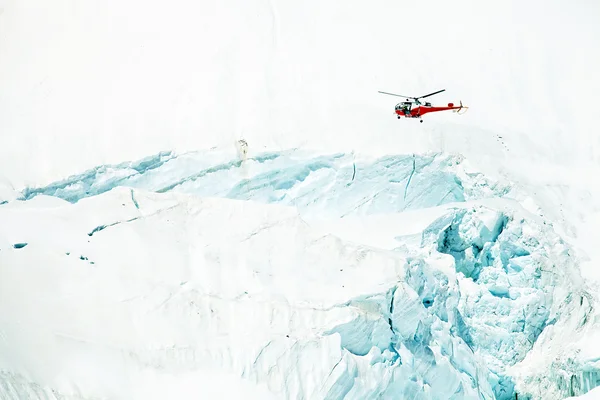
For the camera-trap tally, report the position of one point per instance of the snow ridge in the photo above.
(293, 178)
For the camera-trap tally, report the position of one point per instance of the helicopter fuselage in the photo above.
(406, 109)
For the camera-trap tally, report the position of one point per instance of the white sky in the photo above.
(85, 83)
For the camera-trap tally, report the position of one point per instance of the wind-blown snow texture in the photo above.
(461, 293)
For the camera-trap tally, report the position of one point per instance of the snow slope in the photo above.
(591, 395)
(434, 289)
(219, 304)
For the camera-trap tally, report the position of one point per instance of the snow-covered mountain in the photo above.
(314, 276)
(348, 254)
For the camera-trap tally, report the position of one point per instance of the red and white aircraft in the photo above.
(406, 109)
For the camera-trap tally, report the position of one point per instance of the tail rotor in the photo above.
(459, 109)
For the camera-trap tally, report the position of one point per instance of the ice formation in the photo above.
(324, 276)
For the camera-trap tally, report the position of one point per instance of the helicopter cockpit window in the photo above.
(404, 106)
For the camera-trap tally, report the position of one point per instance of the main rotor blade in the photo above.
(399, 95)
(431, 94)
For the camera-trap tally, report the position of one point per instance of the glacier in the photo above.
(403, 276)
(348, 254)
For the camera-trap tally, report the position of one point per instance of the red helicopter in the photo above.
(406, 110)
